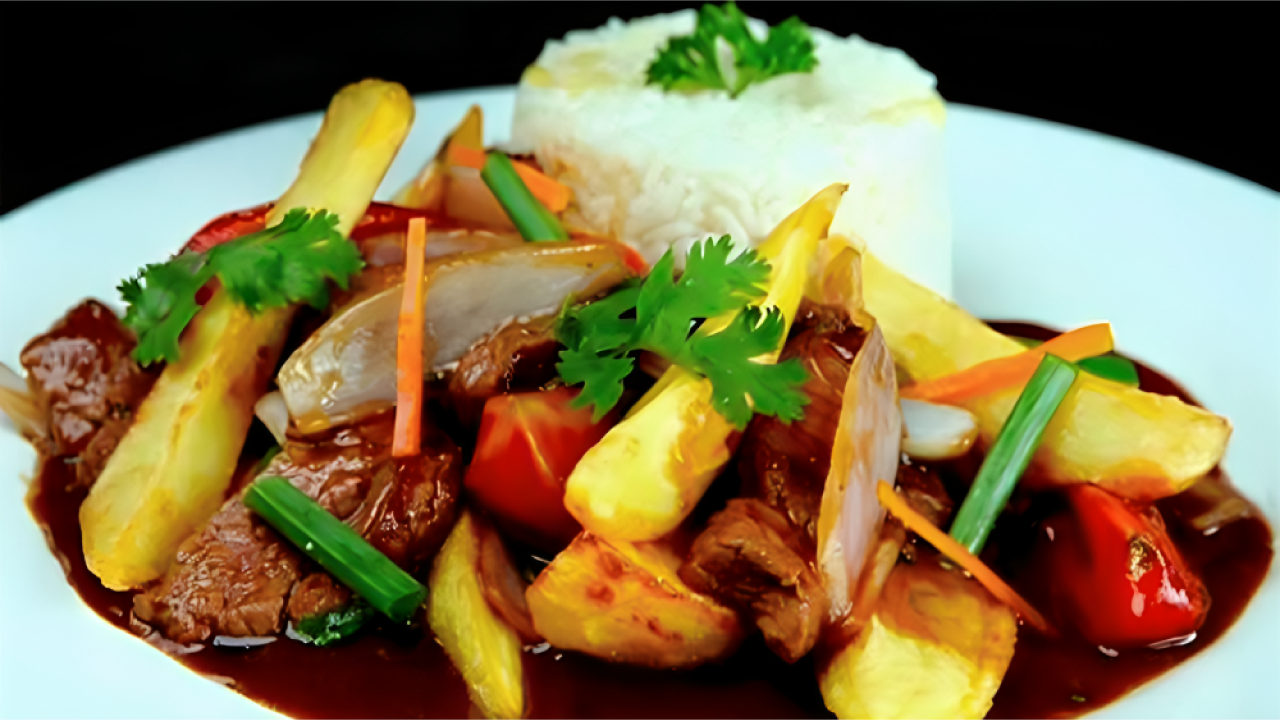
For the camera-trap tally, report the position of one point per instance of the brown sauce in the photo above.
(383, 674)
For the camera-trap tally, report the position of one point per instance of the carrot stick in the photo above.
(551, 193)
(1000, 373)
(407, 440)
(463, 156)
(921, 526)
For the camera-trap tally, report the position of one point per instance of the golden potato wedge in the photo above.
(172, 468)
(1134, 443)
(645, 476)
(937, 646)
(170, 471)
(486, 650)
(625, 602)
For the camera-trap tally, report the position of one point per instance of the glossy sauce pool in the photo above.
(391, 675)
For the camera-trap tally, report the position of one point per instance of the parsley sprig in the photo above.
(691, 62)
(287, 263)
(662, 314)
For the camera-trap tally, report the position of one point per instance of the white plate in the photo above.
(1052, 224)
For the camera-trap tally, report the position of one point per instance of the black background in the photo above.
(89, 86)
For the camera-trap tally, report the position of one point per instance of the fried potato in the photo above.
(1134, 443)
(624, 602)
(170, 471)
(486, 650)
(647, 474)
(937, 646)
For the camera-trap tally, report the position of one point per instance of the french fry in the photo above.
(172, 468)
(484, 649)
(1134, 443)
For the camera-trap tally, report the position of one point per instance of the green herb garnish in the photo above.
(660, 315)
(534, 221)
(1011, 452)
(336, 547)
(284, 264)
(331, 627)
(691, 62)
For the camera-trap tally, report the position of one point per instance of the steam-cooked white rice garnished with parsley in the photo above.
(663, 168)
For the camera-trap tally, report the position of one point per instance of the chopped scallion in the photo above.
(1010, 454)
(336, 547)
(534, 221)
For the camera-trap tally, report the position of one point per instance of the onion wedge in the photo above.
(347, 368)
(271, 411)
(22, 409)
(936, 432)
(867, 447)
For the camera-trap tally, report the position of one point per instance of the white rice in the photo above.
(662, 169)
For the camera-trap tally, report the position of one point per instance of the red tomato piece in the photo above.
(528, 445)
(379, 219)
(1118, 576)
(229, 227)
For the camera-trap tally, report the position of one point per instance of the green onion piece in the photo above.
(1011, 452)
(534, 221)
(338, 548)
(1112, 367)
(1108, 367)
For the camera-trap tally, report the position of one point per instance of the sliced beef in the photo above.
(316, 594)
(236, 576)
(786, 464)
(753, 559)
(925, 492)
(231, 578)
(83, 378)
(519, 356)
(758, 554)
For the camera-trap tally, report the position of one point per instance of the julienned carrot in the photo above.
(407, 440)
(1000, 373)
(551, 193)
(956, 552)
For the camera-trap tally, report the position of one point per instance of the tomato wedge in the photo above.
(528, 445)
(1118, 576)
(379, 219)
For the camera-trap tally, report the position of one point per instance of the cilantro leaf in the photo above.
(741, 385)
(599, 325)
(599, 338)
(601, 378)
(291, 262)
(711, 285)
(691, 62)
(160, 309)
(328, 628)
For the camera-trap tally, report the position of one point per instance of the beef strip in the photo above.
(519, 356)
(237, 577)
(758, 555)
(316, 594)
(786, 464)
(86, 383)
(752, 558)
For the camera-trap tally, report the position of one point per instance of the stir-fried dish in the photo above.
(567, 430)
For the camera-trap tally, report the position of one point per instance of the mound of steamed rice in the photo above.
(667, 169)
